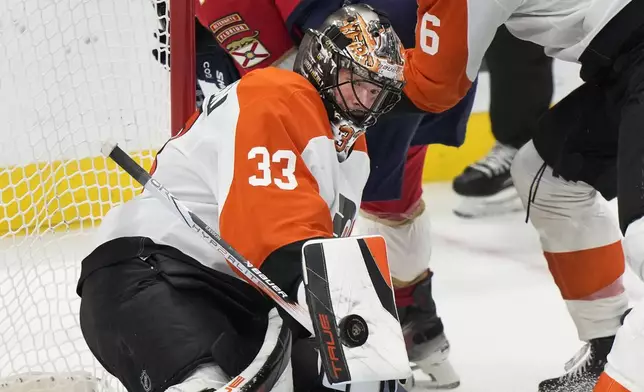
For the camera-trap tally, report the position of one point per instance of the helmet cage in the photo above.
(367, 114)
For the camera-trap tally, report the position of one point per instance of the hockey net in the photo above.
(73, 73)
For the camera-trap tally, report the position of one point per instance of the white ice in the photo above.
(507, 324)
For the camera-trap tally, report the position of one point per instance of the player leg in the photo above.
(406, 227)
(624, 370)
(579, 235)
(158, 320)
(521, 86)
(393, 207)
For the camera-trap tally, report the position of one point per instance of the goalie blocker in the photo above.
(153, 316)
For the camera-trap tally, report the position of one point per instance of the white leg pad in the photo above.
(408, 245)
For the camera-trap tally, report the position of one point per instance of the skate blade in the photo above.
(435, 372)
(505, 202)
(434, 376)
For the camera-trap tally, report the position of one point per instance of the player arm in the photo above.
(251, 31)
(451, 39)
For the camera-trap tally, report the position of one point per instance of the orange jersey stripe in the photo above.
(274, 199)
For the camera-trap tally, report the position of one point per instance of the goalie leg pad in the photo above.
(270, 370)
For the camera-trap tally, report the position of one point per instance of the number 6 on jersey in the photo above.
(287, 182)
(428, 37)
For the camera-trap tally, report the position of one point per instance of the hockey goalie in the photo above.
(276, 164)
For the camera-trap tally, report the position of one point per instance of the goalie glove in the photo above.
(348, 291)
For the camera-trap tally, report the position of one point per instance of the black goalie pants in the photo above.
(151, 315)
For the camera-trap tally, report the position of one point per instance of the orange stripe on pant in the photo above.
(582, 273)
(378, 249)
(607, 384)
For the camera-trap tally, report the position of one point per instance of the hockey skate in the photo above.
(583, 370)
(486, 185)
(427, 345)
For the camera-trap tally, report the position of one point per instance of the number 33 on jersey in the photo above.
(288, 181)
(264, 149)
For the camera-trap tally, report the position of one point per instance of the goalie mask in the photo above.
(355, 60)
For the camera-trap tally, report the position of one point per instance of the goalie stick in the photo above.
(209, 235)
(255, 377)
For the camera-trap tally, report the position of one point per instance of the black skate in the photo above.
(486, 186)
(583, 370)
(427, 345)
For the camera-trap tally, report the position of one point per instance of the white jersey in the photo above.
(452, 37)
(259, 164)
(563, 27)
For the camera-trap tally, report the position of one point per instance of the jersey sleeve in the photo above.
(253, 32)
(273, 199)
(286, 8)
(451, 39)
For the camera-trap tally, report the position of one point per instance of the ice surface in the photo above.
(508, 327)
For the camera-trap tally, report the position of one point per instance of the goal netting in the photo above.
(73, 73)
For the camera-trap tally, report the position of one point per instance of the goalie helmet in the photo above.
(355, 60)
